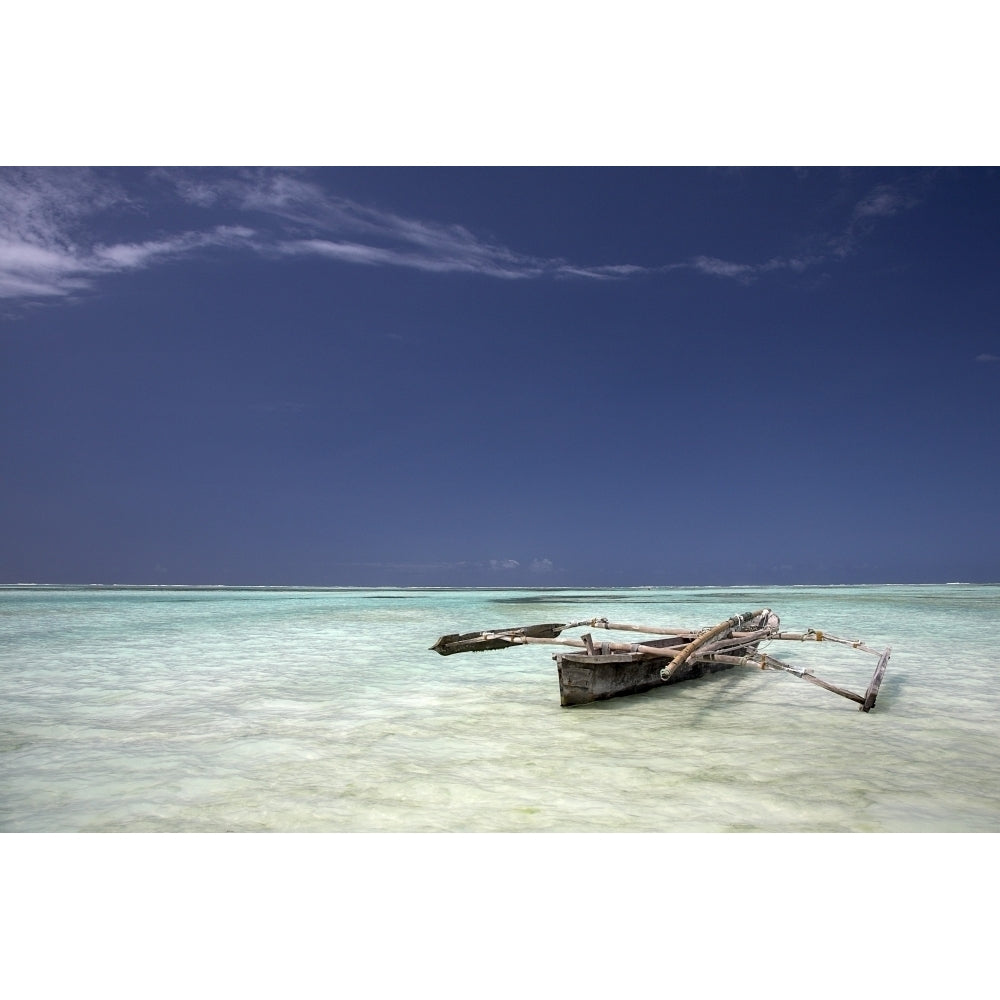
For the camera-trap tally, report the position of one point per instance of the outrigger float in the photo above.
(592, 671)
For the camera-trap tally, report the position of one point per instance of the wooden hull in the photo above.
(585, 677)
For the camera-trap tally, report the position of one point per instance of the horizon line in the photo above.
(390, 586)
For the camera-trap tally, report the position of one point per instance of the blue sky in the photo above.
(499, 376)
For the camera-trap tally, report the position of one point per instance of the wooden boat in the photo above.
(593, 671)
(586, 676)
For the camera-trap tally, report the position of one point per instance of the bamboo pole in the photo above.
(700, 640)
(648, 629)
(612, 647)
(765, 662)
(812, 635)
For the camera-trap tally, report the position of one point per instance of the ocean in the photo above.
(286, 710)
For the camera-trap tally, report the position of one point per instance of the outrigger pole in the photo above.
(739, 634)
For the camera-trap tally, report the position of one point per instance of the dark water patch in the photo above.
(554, 599)
(734, 597)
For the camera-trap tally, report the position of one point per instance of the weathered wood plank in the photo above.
(584, 678)
(876, 682)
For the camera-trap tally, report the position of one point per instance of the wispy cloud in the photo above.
(746, 273)
(126, 256)
(49, 226)
(987, 359)
(489, 566)
(50, 223)
(60, 231)
(882, 202)
(312, 221)
(723, 268)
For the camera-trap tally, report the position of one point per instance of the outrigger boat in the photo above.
(592, 671)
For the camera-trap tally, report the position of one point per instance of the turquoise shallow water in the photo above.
(323, 710)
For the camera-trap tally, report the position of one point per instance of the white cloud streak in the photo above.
(47, 249)
(360, 234)
(462, 566)
(504, 564)
(50, 221)
(747, 273)
(882, 202)
(126, 256)
(723, 268)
